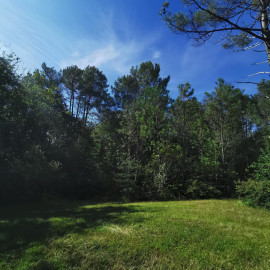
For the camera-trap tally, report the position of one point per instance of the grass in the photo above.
(209, 234)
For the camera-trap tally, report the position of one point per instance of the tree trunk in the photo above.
(265, 27)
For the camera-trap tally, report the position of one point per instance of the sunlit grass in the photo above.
(210, 234)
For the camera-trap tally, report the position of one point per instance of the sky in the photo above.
(114, 35)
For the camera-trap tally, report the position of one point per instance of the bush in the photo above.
(200, 190)
(255, 193)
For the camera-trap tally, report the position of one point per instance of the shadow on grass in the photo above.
(21, 225)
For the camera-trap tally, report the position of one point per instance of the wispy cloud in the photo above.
(115, 55)
(157, 54)
(199, 61)
(96, 58)
(33, 37)
(114, 47)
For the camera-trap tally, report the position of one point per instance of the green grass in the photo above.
(210, 234)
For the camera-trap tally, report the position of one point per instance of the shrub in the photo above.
(200, 190)
(255, 193)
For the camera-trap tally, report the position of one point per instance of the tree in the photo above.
(145, 147)
(231, 130)
(263, 101)
(243, 24)
(12, 109)
(128, 87)
(141, 98)
(71, 80)
(29, 122)
(186, 119)
(92, 93)
(256, 191)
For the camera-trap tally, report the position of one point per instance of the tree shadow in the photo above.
(22, 225)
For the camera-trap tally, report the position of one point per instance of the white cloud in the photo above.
(157, 54)
(114, 48)
(75, 54)
(96, 58)
(116, 55)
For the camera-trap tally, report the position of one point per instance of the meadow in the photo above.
(202, 234)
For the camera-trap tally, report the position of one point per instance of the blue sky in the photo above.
(114, 35)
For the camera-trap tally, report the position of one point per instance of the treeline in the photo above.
(63, 135)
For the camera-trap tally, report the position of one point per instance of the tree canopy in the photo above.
(241, 24)
(63, 135)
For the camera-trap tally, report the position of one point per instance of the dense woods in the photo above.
(66, 134)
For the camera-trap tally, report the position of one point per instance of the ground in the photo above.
(206, 234)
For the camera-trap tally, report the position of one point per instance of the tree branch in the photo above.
(248, 82)
(244, 29)
(257, 73)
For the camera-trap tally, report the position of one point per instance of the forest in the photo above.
(111, 161)
(69, 135)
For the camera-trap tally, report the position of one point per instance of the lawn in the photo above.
(209, 234)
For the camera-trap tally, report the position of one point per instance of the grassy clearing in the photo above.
(210, 234)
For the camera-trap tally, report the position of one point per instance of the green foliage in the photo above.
(261, 168)
(127, 88)
(63, 136)
(231, 129)
(241, 40)
(256, 191)
(235, 24)
(44, 151)
(201, 190)
(262, 115)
